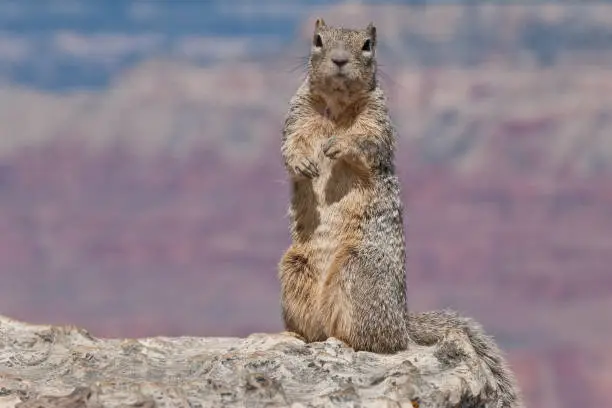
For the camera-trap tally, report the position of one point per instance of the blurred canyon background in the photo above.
(142, 191)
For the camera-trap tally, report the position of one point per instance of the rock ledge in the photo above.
(55, 366)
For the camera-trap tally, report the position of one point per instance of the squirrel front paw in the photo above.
(334, 147)
(306, 168)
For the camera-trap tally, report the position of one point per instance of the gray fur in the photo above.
(372, 282)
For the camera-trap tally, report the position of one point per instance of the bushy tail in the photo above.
(431, 327)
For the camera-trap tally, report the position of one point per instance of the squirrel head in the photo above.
(342, 63)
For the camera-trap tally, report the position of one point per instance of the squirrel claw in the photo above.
(331, 148)
(307, 169)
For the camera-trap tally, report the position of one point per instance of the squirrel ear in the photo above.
(371, 30)
(319, 23)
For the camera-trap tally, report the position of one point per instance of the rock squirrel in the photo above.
(344, 274)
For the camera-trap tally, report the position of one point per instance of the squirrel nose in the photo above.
(340, 57)
(340, 61)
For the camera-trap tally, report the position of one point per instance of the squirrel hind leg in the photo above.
(365, 316)
(298, 296)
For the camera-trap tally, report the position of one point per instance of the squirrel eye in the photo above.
(367, 45)
(318, 41)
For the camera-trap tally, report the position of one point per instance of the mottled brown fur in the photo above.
(337, 148)
(344, 274)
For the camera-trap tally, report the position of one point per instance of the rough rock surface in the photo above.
(52, 366)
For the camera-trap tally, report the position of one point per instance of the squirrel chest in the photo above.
(329, 207)
(338, 186)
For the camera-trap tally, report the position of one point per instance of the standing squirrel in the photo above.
(344, 274)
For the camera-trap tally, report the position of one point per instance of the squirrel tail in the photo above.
(431, 327)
